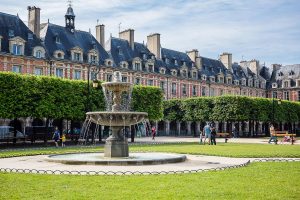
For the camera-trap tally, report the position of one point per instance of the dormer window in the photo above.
(11, 33)
(30, 36)
(184, 73)
(221, 80)
(16, 45)
(175, 62)
(204, 77)
(280, 74)
(236, 82)
(145, 56)
(274, 85)
(194, 74)
(250, 83)
(184, 63)
(77, 56)
(167, 60)
(120, 52)
(57, 40)
(124, 64)
(93, 58)
(152, 57)
(286, 84)
(162, 71)
(137, 66)
(291, 73)
(229, 81)
(39, 52)
(212, 79)
(174, 72)
(151, 68)
(244, 82)
(17, 49)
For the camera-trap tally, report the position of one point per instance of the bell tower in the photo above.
(70, 18)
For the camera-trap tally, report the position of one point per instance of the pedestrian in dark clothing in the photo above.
(153, 132)
(213, 136)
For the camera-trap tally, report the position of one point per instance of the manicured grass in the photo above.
(270, 180)
(227, 149)
(222, 149)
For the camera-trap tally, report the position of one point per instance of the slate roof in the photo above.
(212, 67)
(238, 72)
(287, 72)
(12, 23)
(173, 55)
(69, 40)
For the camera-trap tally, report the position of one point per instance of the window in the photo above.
(244, 82)
(145, 56)
(150, 82)
(17, 49)
(38, 71)
(77, 74)
(59, 73)
(151, 68)
(16, 69)
(236, 82)
(77, 56)
(212, 92)
(108, 77)
(221, 92)
(299, 95)
(57, 39)
(137, 81)
(229, 81)
(11, 33)
(184, 89)
(124, 79)
(137, 66)
(212, 79)
(203, 91)
(275, 95)
(174, 88)
(38, 54)
(175, 62)
(221, 80)
(204, 78)
(286, 95)
(250, 84)
(298, 83)
(162, 71)
(174, 73)
(167, 60)
(194, 90)
(162, 85)
(109, 63)
(184, 73)
(30, 36)
(93, 58)
(194, 75)
(286, 84)
(59, 55)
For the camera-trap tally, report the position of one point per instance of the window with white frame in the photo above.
(298, 83)
(150, 82)
(38, 54)
(194, 89)
(174, 72)
(16, 69)
(244, 82)
(286, 84)
(174, 88)
(236, 82)
(59, 73)
(229, 81)
(137, 81)
(194, 74)
(162, 71)
(57, 39)
(212, 79)
(274, 95)
(151, 68)
(221, 79)
(212, 92)
(77, 75)
(286, 95)
(184, 73)
(124, 79)
(137, 66)
(77, 56)
(93, 58)
(108, 77)
(299, 95)
(17, 49)
(184, 90)
(38, 71)
(203, 91)
(162, 85)
(221, 92)
(204, 77)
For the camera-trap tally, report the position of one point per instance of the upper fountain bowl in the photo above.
(117, 118)
(117, 86)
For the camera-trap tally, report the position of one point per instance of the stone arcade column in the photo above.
(167, 127)
(178, 127)
(188, 124)
(198, 127)
(260, 128)
(247, 128)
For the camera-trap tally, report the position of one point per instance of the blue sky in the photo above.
(267, 30)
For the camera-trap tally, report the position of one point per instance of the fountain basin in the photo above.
(117, 118)
(133, 159)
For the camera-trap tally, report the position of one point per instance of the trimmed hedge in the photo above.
(231, 108)
(50, 97)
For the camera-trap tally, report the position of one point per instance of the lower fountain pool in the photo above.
(134, 159)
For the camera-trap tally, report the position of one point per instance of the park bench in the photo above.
(223, 135)
(283, 134)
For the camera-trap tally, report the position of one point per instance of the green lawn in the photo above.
(222, 149)
(270, 180)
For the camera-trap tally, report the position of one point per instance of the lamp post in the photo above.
(50, 62)
(94, 78)
(273, 107)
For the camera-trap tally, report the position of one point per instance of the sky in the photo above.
(266, 30)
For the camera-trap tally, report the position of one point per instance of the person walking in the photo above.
(56, 136)
(153, 132)
(273, 137)
(207, 133)
(234, 132)
(63, 140)
(213, 135)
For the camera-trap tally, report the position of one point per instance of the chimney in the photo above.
(34, 20)
(276, 67)
(226, 59)
(254, 66)
(100, 34)
(153, 44)
(194, 56)
(129, 36)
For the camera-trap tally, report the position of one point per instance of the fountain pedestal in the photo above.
(116, 145)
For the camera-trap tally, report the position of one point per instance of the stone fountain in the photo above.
(117, 116)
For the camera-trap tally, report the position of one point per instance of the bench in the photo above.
(223, 135)
(283, 134)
